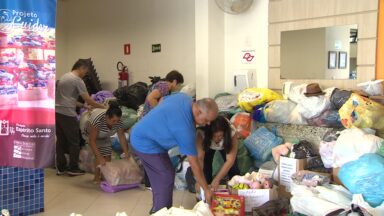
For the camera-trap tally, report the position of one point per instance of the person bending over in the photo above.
(102, 124)
(219, 136)
(172, 123)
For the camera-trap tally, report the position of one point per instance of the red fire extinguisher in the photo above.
(123, 74)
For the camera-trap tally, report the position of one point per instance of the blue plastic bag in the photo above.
(365, 176)
(260, 143)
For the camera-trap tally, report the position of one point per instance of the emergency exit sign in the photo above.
(156, 48)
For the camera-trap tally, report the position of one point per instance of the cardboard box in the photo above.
(227, 205)
(335, 178)
(284, 192)
(255, 197)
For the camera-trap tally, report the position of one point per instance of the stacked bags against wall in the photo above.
(260, 143)
(129, 117)
(357, 153)
(361, 112)
(227, 103)
(306, 104)
(352, 144)
(251, 97)
(242, 122)
(364, 178)
(132, 96)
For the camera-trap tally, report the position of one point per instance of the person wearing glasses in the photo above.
(172, 123)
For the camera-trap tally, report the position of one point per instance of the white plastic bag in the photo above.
(297, 92)
(189, 89)
(326, 153)
(353, 143)
(84, 118)
(359, 200)
(200, 209)
(372, 88)
(119, 172)
(296, 118)
(278, 111)
(312, 206)
(334, 196)
(311, 107)
(87, 159)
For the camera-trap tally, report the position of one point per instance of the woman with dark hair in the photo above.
(220, 136)
(102, 124)
(172, 82)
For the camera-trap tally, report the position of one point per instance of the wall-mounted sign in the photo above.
(248, 56)
(156, 48)
(127, 49)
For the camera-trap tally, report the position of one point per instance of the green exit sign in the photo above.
(156, 48)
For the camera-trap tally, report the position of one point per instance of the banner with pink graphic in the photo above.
(27, 83)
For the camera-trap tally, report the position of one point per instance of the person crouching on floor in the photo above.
(102, 124)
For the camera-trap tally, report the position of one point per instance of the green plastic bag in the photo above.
(380, 151)
(129, 117)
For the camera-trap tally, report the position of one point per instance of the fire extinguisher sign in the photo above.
(127, 49)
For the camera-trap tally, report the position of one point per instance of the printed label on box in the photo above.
(255, 197)
(287, 167)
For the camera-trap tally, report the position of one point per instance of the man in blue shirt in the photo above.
(172, 123)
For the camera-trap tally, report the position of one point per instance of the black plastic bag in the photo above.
(339, 97)
(132, 96)
(303, 150)
(331, 136)
(316, 164)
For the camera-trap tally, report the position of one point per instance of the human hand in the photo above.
(208, 196)
(101, 161)
(214, 185)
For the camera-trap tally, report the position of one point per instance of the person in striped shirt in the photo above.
(102, 124)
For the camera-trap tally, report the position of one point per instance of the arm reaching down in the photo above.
(230, 160)
(199, 176)
(123, 142)
(92, 143)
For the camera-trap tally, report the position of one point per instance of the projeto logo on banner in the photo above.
(27, 82)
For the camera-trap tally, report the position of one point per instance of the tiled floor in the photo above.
(65, 195)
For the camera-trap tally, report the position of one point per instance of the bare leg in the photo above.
(107, 159)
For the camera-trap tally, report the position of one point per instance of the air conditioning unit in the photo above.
(243, 79)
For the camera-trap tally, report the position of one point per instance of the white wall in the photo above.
(100, 28)
(247, 31)
(197, 39)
